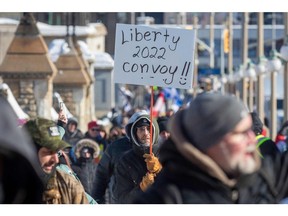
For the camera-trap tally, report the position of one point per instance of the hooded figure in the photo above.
(72, 133)
(140, 119)
(137, 169)
(86, 151)
(20, 181)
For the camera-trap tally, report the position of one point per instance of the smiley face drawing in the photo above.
(183, 78)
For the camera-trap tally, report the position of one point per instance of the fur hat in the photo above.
(87, 143)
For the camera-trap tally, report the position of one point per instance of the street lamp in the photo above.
(261, 70)
(274, 63)
(284, 55)
(284, 50)
(237, 77)
(273, 66)
(251, 76)
(230, 78)
(239, 74)
(223, 81)
(251, 71)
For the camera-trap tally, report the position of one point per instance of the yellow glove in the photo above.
(153, 164)
(147, 180)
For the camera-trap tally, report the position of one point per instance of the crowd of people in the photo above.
(214, 151)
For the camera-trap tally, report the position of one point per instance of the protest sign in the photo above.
(154, 56)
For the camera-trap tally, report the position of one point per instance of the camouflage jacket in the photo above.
(63, 188)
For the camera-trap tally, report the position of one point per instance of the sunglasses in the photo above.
(94, 129)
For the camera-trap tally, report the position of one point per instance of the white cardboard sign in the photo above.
(154, 56)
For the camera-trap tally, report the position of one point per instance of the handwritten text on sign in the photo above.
(154, 56)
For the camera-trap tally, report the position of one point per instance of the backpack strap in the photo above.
(261, 139)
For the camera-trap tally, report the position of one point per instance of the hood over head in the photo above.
(87, 143)
(136, 120)
(131, 120)
(73, 120)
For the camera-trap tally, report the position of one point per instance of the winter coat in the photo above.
(128, 175)
(72, 137)
(86, 172)
(85, 168)
(63, 188)
(131, 166)
(196, 179)
(105, 169)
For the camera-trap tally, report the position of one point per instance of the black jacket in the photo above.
(106, 166)
(86, 171)
(85, 168)
(128, 175)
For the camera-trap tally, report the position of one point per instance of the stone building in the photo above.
(73, 82)
(26, 77)
(28, 70)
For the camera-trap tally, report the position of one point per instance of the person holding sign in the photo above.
(137, 169)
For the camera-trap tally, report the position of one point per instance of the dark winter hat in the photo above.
(142, 122)
(162, 122)
(211, 116)
(46, 133)
(257, 126)
(73, 120)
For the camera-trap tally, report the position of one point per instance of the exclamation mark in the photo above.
(183, 69)
(187, 68)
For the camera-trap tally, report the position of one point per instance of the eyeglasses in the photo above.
(242, 135)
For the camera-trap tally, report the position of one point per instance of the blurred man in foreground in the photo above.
(211, 157)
